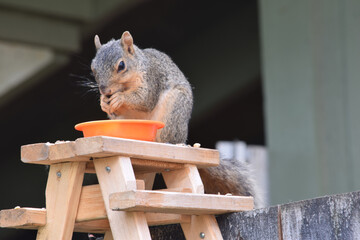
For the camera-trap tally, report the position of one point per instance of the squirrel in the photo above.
(146, 84)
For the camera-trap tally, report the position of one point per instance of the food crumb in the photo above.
(197, 145)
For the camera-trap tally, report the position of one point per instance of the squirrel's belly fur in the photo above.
(156, 89)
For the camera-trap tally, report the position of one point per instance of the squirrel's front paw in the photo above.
(116, 101)
(104, 103)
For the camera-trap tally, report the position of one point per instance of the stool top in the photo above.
(86, 149)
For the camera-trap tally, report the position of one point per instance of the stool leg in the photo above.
(148, 178)
(206, 225)
(108, 235)
(115, 174)
(62, 199)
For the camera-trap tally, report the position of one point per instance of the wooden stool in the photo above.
(119, 205)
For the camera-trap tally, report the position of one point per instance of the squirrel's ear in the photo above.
(127, 42)
(97, 42)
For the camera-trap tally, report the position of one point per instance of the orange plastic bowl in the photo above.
(134, 129)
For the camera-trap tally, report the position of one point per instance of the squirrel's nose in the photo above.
(104, 90)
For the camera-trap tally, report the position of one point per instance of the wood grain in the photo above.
(49, 153)
(25, 218)
(107, 146)
(189, 177)
(34, 218)
(116, 174)
(169, 156)
(62, 199)
(181, 203)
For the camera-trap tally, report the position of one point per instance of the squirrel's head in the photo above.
(116, 65)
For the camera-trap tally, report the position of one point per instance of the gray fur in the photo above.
(161, 76)
(234, 177)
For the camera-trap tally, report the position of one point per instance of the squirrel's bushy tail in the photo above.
(232, 176)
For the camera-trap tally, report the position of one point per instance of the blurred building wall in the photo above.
(311, 79)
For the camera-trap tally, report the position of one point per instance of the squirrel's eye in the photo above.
(121, 66)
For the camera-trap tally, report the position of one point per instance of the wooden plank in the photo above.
(148, 178)
(181, 203)
(90, 168)
(140, 184)
(94, 226)
(152, 219)
(25, 218)
(107, 146)
(169, 156)
(150, 166)
(62, 200)
(50, 153)
(37, 151)
(156, 219)
(108, 235)
(91, 205)
(142, 166)
(189, 177)
(33, 218)
(116, 174)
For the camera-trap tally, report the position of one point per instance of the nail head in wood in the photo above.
(108, 169)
